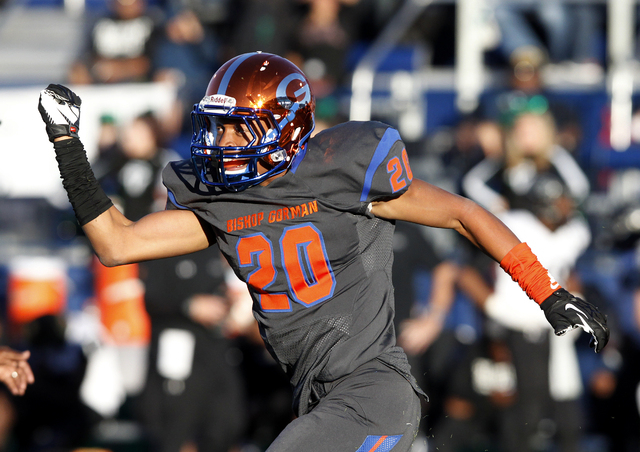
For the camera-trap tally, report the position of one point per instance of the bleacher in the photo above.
(37, 43)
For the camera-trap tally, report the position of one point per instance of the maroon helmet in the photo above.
(271, 97)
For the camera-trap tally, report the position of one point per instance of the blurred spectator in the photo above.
(618, 283)
(35, 296)
(415, 253)
(625, 403)
(531, 147)
(481, 386)
(266, 26)
(503, 180)
(418, 333)
(187, 52)
(533, 33)
(118, 46)
(323, 34)
(469, 142)
(194, 393)
(128, 167)
(526, 92)
(537, 402)
(512, 170)
(129, 170)
(51, 416)
(548, 379)
(427, 324)
(435, 28)
(108, 135)
(526, 89)
(322, 40)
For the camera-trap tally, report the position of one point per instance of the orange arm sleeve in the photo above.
(525, 269)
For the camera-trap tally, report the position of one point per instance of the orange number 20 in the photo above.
(305, 263)
(396, 168)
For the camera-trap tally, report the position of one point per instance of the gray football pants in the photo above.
(374, 409)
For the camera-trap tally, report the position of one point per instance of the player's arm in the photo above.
(429, 205)
(426, 204)
(116, 240)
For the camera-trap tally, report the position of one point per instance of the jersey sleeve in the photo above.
(364, 162)
(184, 191)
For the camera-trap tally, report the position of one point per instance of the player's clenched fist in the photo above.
(60, 110)
(566, 312)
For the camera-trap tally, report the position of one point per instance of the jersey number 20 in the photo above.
(304, 260)
(396, 169)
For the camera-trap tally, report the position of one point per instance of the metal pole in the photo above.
(362, 81)
(469, 54)
(621, 80)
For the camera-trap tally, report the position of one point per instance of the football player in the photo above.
(307, 223)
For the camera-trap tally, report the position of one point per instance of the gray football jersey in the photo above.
(317, 263)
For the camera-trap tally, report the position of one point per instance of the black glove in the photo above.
(566, 312)
(60, 110)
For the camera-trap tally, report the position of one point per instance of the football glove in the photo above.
(566, 312)
(60, 111)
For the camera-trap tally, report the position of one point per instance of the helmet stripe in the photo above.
(224, 83)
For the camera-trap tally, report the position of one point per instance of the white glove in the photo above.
(60, 111)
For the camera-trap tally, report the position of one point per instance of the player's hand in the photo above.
(15, 371)
(208, 310)
(416, 335)
(60, 111)
(566, 312)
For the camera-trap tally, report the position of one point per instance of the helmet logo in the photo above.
(302, 93)
(217, 101)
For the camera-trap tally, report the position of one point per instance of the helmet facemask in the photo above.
(236, 167)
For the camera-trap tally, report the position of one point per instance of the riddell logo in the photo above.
(218, 100)
(73, 129)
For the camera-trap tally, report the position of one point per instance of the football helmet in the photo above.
(549, 199)
(270, 102)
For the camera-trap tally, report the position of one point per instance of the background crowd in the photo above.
(165, 356)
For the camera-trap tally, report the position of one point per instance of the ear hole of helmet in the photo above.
(274, 158)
